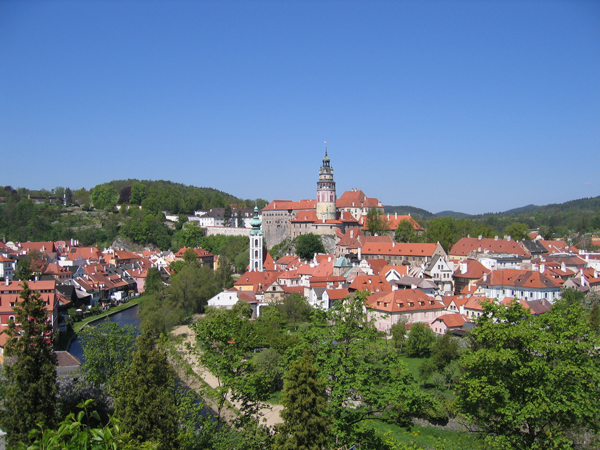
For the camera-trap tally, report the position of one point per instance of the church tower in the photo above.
(326, 191)
(256, 244)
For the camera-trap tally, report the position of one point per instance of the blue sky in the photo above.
(473, 106)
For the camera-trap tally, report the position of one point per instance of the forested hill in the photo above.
(91, 216)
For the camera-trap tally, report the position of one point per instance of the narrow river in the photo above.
(126, 317)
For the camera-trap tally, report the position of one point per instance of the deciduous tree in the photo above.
(307, 245)
(532, 382)
(420, 339)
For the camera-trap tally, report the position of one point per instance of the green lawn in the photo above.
(430, 438)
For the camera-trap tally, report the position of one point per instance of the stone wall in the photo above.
(227, 231)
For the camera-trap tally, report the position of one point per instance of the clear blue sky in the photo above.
(472, 106)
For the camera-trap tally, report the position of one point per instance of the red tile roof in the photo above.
(519, 278)
(474, 269)
(466, 245)
(371, 283)
(258, 280)
(453, 320)
(398, 249)
(403, 300)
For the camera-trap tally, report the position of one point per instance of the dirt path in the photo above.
(270, 413)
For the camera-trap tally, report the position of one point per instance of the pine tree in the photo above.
(595, 318)
(144, 399)
(305, 427)
(30, 369)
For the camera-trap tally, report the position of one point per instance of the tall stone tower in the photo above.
(326, 191)
(256, 244)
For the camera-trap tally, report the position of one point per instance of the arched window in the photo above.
(256, 242)
(256, 253)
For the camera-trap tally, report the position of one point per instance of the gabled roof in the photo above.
(337, 294)
(402, 300)
(472, 269)
(453, 320)
(268, 263)
(399, 249)
(87, 253)
(527, 279)
(377, 265)
(258, 280)
(356, 199)
(467, 245)
(475, 303)
(458, 300)
(393, 220)
(555, 246)
(44, 247)
(371, 283)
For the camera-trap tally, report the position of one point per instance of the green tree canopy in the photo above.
(442, 230)
(517, 231)
(420, 339)
(107, 348)
(405, 232)
(30, 369)
(532, 382)
(376, 223)
(304, 400)
(307, 245)
(144, 398)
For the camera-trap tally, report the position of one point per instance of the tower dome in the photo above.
(326, 195)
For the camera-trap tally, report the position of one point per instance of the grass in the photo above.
(430, 438)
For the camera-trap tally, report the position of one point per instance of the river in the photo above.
(126, 317)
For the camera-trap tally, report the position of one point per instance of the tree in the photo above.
(104, 195)
(295, 308)
(138, 193)
(307, 245)
(153, 281)
(420, 340)
(225, 339)
(375, 222)
(356, 371)
(595, 318)
(190, 255)
(405, 232)
(531, 382)
(398, 331)
(31, 369)
(442, 230)
(227, 216)
(144, 399)
(23, 271)
(125, 196)
(305, 425)
(68, 197)
(517, 231)
(106, 348)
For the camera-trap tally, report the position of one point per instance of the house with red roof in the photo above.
(473, 247)
(407, 305)
(59, 273)
(466, 274)
(415, 254)
(228, 298)
(449, 322)
(204, 256)
(7, 268)
(523, 284)
(10, 292)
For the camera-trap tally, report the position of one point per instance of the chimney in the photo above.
(480, 237)
(496, 237)
(388, 217)
(508, 238)
(542, 268)
(359, 254)
(484, 276)
(396, 216)
(463, 268)
(413, 286)
(351, 234)
(7, 281)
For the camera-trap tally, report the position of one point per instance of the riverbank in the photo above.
(197, 374)
(65, 340)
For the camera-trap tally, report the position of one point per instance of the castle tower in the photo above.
(256, 244)
(326, 191)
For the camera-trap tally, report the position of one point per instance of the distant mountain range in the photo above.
(584, 204)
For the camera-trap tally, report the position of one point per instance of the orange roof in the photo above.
(258, 280)
(305, 216)
(337, 294)
(402, 300)
(519, 278)
(398, 249)
(87, 253)
(268, 263)
(43, 247)
(55, 269)
(393, 220)
(555, 246)
(508, 300)
(466, 245)
(458, 300)
(377, 265)
(371, 283)
(453, 320)
(475, 303)
(356, 199)
(474, 269)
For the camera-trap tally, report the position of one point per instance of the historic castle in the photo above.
(325, 215)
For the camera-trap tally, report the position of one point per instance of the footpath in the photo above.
(269, 413)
